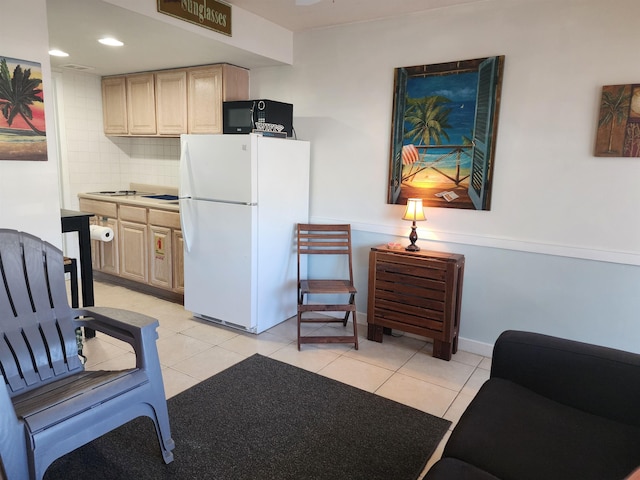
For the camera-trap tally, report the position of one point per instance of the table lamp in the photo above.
(414, 213)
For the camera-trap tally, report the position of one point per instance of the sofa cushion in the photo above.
(454, 469)
(516, 434)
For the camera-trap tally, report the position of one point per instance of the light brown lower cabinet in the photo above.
(160, 257)
(108, 251)
(104, 255)
(147, 245)
(133, 251)
(178, 261)
(166, 257)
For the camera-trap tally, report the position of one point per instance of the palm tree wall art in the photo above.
(618, 132)
(22, 122)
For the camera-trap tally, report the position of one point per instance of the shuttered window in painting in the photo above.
(485, 107)
(399, 102)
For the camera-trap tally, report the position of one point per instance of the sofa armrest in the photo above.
(599, 380)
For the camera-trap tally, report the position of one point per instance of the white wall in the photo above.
(29, 190)
(559, 250)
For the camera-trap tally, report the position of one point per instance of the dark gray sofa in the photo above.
(552, 409)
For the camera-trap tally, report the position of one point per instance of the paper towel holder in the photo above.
(100, 233)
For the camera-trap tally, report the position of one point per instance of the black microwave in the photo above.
(246, 116)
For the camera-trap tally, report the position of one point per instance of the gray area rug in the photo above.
(264, 419)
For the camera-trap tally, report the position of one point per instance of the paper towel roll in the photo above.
(104, 234)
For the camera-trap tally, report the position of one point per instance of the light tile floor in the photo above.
(191, 350)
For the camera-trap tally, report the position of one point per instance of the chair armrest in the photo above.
(599, 380)
(13, 453)
(136, 329)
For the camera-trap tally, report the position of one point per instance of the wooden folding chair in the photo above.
(327, 240)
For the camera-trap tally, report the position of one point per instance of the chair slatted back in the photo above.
(37, 337)
(325, 239)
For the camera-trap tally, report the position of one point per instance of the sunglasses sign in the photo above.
(210, 14)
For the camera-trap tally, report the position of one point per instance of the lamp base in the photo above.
(413, 237)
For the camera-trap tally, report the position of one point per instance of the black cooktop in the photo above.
(118, 193)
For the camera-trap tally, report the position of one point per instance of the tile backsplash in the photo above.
(91, 161)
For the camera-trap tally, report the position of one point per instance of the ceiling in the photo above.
(75, 26)
(325, 13)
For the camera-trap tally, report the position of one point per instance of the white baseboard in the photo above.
(473, 346)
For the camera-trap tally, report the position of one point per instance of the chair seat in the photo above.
(326, 287)
(54, 402)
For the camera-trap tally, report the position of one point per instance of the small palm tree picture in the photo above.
(618, 132)
(22, 124)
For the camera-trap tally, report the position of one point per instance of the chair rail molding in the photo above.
(505, 243)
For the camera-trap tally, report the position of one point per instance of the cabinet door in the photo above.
(205, 99)
(133, 251)
(235, 83)
(114, 106)
(141, 104)
(109, 258)
(171, 102)
(160, 257)
(178, 261)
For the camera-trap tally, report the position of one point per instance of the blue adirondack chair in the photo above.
(50, 405)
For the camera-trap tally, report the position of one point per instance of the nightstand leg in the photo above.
(374, 332)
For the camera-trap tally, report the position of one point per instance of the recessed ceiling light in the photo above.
(58, 53)
(112, 42)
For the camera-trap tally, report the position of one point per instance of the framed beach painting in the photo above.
(618, 132)
(22, 124)
(443, 135)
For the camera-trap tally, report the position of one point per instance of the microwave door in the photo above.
(238, 117)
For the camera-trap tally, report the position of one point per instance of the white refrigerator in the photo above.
(241, 197)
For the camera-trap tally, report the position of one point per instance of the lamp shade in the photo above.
(414, 211)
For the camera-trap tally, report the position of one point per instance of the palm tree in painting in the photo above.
(429, 119)
(17, 93)
(613, 110)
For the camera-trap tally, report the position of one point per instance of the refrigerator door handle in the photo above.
(185, 196)
(186, 222)
(216, 200)
(186, 173)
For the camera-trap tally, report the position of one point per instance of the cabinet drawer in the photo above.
(133, 214)
(163, 218)
(102, 209)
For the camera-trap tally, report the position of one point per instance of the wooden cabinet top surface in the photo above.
(420, 254)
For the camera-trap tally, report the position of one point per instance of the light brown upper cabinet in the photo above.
(141, 104)
(171, 102)
(114, 105)
(208, 88)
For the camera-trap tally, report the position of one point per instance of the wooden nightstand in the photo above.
(416, 292)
